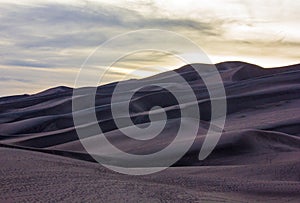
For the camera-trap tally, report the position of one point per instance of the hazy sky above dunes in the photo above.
(43, 43)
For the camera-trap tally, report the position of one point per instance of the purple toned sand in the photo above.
(256, 159)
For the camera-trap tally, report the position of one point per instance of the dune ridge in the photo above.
(256, 159)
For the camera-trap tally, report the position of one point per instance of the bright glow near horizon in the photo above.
(43, 43)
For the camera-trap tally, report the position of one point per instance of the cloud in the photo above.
(26, 64)
(43, 32)
(47, 35)
(6, 79)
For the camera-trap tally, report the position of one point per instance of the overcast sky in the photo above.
(43, 43)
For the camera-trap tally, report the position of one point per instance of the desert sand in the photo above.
(256, 159)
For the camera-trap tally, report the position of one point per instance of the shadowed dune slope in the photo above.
(260, 141)
(257, 99)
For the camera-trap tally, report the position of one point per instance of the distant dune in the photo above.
(256, 159)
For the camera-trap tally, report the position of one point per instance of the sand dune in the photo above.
(256, 159)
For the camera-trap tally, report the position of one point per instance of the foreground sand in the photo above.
(33, 176)
(256, 159)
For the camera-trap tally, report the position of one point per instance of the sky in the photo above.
(43, 43)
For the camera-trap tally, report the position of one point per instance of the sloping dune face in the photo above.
(260, 142)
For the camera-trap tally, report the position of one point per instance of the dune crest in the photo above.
(261, 134)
